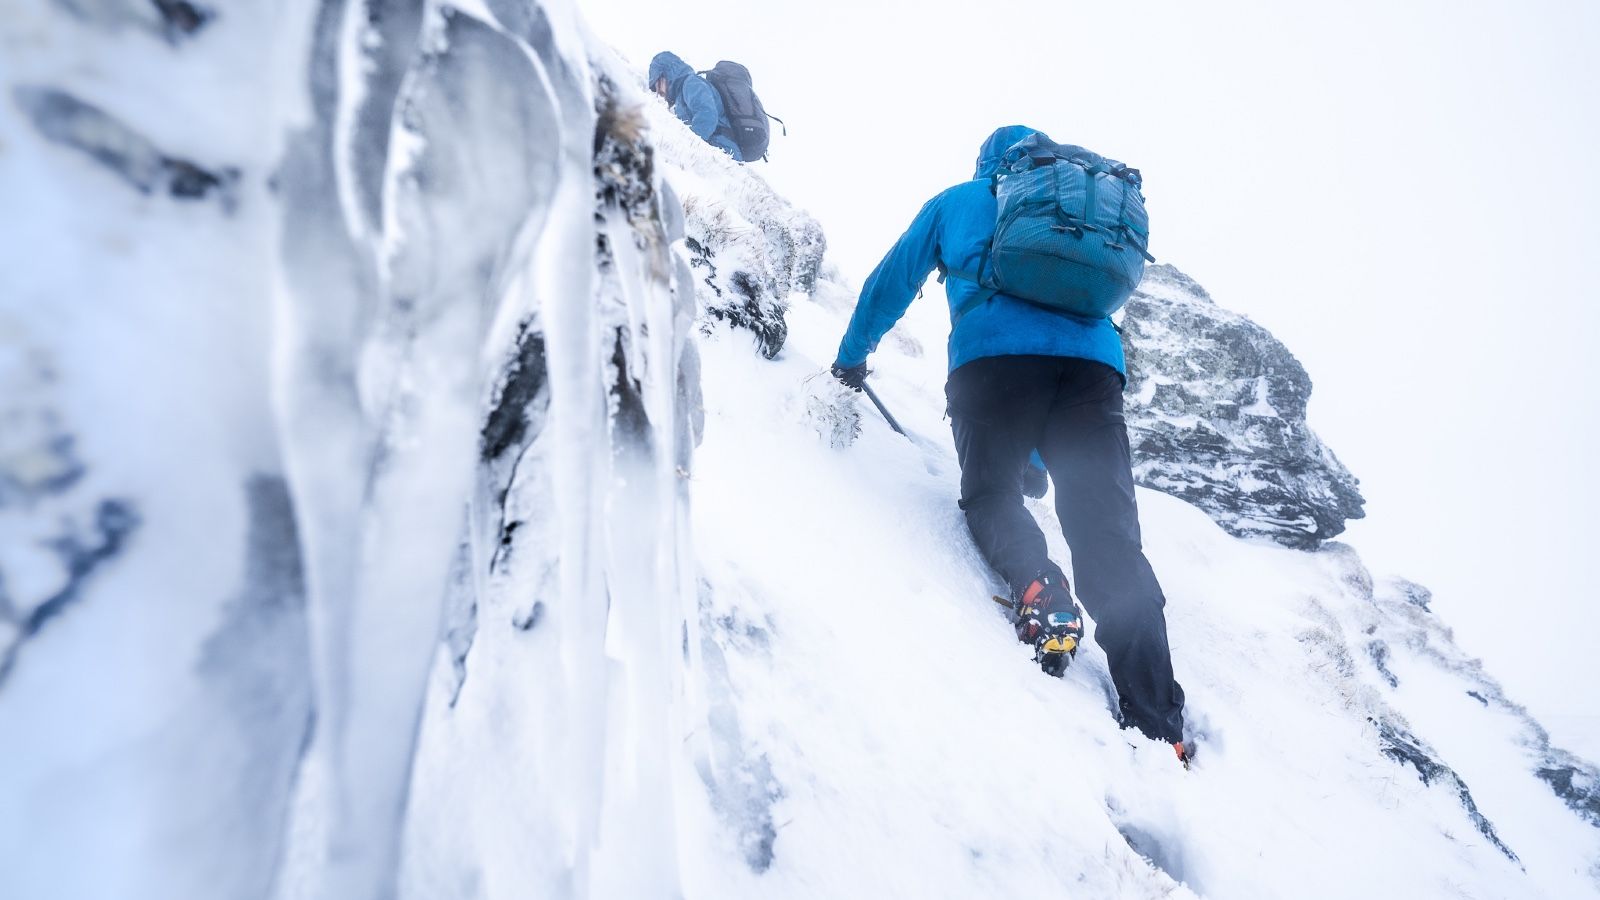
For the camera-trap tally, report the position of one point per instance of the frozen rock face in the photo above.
(502, 449)
(155, 684)
(345, 365)
(1217, 416)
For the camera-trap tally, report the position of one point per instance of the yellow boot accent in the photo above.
(1063, 643)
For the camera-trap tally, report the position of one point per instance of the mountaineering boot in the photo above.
(1047, 618)
(1185, 751)
(1183, 747)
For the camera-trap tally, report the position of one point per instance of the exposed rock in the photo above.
(55, 534)
(173, 20)
(1577, 784)
(1217, 416)
(738, 300)
(1348, 566)
(1405, 619)
(64, 119)
(80, 550)
(1379, 652)
(181, 18)
(522, 384)
(1406, 749)
(517, 416)
(625, 182)
(1333, 661)
(1413, 593)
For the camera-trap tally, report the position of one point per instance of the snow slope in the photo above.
(889, 737)
(918, 753)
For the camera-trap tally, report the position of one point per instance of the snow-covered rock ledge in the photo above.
(751, 249)
(1217, 416)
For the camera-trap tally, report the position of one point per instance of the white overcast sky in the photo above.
(1403, 192)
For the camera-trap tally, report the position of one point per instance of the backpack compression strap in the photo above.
(984, 294)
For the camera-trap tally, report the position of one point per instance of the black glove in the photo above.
(1034, 481)
(854, 377)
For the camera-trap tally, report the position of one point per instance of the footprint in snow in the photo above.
(1153, 841)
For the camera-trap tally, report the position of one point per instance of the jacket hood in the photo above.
(995, 147)
(667, 63)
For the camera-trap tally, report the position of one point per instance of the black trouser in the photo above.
(1001, 409)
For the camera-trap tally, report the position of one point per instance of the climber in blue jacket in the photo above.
(1023, 378)
(693, 100)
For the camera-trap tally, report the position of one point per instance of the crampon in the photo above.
(1047, 619)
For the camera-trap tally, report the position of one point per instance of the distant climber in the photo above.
(694, 101)
(738, 123)
(1032, 375)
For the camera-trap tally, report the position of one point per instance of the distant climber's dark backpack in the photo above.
(745, 113)
(1071, 231)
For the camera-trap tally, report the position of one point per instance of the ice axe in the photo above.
(887, 417)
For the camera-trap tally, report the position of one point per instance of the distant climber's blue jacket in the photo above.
(954, 231)
(694, 101)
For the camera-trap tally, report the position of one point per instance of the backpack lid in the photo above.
(994, 148)
(730, 69)
(1038, 150)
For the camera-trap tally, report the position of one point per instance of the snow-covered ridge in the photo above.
(357, 542)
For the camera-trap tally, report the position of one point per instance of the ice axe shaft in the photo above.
(871, 395)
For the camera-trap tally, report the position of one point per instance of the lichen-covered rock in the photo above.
(1217, 416)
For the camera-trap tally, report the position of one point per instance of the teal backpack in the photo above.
(1071, 232)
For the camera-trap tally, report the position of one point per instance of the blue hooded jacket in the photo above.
(954, 230)
(694, 101)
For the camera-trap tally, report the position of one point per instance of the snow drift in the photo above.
(428, 485)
